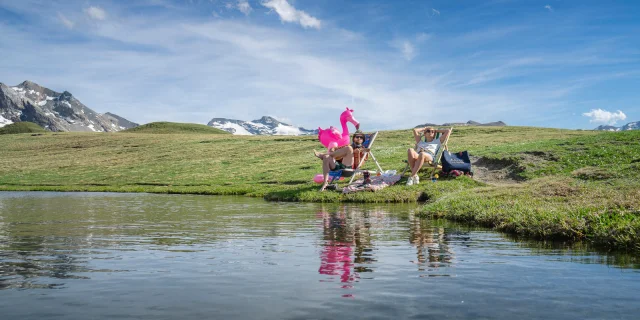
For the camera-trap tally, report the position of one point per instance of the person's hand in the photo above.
(366, 149)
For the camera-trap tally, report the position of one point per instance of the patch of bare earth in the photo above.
(505, 171)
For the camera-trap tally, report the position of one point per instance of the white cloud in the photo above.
(435, 12)
(408, 47)
(548, 7)
(96, 13)
(605, 117)
(244, 7)
(408, 51)
(235, 68)
(288, 13)
(67, 23)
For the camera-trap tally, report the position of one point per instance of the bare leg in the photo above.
(422, 157)
(345, 153)
(412, 156)
(328, 164)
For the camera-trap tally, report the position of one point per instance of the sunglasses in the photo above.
(429, 131)
(359, 137)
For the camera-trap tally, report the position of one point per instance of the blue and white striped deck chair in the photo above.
(434, 165)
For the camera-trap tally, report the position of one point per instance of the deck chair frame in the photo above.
(436, 161)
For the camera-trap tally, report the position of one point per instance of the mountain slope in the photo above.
(263, 126)
(54, 111)
(21, 127)
(174, 127)
(628, 126)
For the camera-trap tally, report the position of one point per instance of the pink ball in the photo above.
(320, 179)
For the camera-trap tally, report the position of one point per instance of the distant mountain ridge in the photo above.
(263, 126)
(54, 111)
(628, 126)
(468, 123)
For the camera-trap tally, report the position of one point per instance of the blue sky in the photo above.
(551, 63)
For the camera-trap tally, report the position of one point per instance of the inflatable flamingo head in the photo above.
(347, 116)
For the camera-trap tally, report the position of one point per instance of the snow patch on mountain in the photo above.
(231, 127)
(4, 122)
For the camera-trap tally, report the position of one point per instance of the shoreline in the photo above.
(535, 182)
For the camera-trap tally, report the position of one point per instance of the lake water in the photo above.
(145, 256)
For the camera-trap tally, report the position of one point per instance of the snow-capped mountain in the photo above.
(263, 126)
(54, 111)
(628, 126)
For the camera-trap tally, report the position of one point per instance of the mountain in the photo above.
(628, 126)
(263, 126)
(631, 126)
(54, 111)
(468, 123)
(607, 128)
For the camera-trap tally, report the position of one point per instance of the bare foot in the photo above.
(324, 186)
(317, 154)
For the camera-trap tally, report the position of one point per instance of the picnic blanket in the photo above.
(377, 183)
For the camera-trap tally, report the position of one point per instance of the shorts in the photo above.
(433, 156)
(339, 166)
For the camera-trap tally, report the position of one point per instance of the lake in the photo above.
(148, 256)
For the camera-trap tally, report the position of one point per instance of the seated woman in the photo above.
(342, 157)
(425, 151)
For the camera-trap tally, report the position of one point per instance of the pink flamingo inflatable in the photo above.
(332, 138)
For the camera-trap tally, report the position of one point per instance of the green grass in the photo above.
(22, 127)
(580, 185)
(174, 128)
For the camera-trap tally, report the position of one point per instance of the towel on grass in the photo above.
(377, 183)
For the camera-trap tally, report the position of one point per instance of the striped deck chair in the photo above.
(369, 139)
(436, 163)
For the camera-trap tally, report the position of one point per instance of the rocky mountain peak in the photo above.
(267, 120)
(29, 85)
(54, 111)
(66, 95)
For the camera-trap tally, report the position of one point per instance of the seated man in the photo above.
(425, 151)
(342, 157)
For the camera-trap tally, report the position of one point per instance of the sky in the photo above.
(550, 63)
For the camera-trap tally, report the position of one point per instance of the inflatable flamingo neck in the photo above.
(347, 116)
(345, 128)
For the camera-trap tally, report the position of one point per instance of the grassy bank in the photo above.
(545, 183)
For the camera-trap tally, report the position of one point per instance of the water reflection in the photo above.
(347, 250)
(432, 248)
(240, 256)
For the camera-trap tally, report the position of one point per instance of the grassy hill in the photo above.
(22, 127)
(174, 128)
(547, 183)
